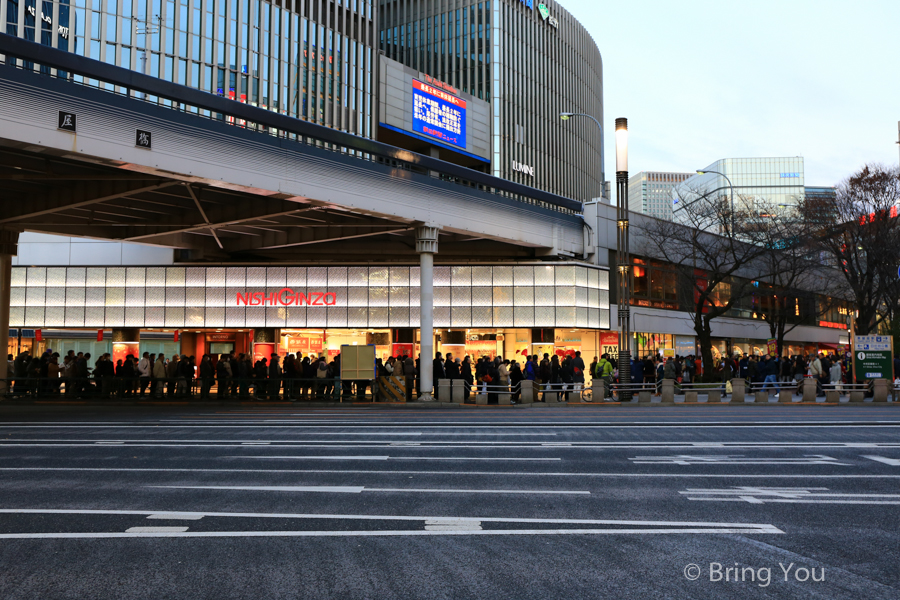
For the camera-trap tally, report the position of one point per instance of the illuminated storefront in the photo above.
(479, 310)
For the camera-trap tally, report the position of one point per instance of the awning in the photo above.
(824, 346)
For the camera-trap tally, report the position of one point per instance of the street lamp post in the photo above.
(623, 254)
(731, 185)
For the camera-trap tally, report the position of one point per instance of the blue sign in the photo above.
(528, 3)
(438, 114)
(790, 175)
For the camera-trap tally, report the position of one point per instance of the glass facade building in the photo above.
(531, 62)
(310, 59)
(766, 186)
(650, 193)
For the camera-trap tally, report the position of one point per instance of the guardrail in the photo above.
(179, 388)
(186, 99)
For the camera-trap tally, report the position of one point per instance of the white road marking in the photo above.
(316, 424)
(428, 446)
(414, 533)
(331, 516)
(442, 473)
(798, 495)
(888, 461)
(452, 525)
(448, 444)
(156, 530)
(404, 458)
(686, 459)
(360, 489)
(176, 516)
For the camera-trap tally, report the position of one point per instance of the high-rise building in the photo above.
(530, 61)
(763, 186)
(650, 192)
(309, 59)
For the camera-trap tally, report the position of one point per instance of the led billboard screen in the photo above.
(438, 114)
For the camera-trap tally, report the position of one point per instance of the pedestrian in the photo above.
(144, 368)
(159, 375)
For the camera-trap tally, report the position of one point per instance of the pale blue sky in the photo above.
(701, 80)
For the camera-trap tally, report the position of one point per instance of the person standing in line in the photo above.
(578, 371)
(437, 372)
(144, 371)
(172, 375)
(274, 378)
(206, 376)
(159, 375)
(409, 373)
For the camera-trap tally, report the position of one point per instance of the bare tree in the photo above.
(721, 267)
(798, 289)
(859, 233)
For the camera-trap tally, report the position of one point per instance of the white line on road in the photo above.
(176, 516)
(685, 459)
(156, 530)
(443, 473)
(360, 489)
(472, 444)
(792, 495)
(329, 516)
(374, 424)
(888, 461)
(404, 458)
(414, 533)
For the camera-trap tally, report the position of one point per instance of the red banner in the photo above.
(176, 335)
(99, 335)
(38, 335)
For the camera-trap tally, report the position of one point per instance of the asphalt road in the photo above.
(379, 503)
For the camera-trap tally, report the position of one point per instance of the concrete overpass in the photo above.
(137, 159)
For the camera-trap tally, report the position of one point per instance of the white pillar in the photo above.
(426, 246)
(8, 247)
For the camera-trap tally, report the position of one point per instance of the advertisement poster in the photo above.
(772, 347)
(438, 114)
(609, 344)
(261, 351)
(123, 349)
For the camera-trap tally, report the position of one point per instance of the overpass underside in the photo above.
(224, 181)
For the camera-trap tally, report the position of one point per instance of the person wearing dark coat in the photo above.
(516, 377)
(567, 377)
(452, 369)
(437, 372)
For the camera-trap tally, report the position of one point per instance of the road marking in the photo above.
(888, 461)
(360, 489)
(404, 458)
(424, 446)
(176, 516)
(329, 516)
(800, 495)
(686, 459)
(456, 425)
(443, 473)
(448, 444)
(398, 533)
(452, 525)
(432, 526)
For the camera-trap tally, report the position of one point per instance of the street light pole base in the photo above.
(426, 398)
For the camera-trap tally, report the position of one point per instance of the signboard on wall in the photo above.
(609, 344)
(872, 357)
(438, 114)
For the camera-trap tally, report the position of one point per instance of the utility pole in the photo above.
(147, 27)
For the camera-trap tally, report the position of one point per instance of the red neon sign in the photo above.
(286, 297)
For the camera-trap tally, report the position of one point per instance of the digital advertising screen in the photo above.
(438, 114)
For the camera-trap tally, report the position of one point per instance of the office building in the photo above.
(650, 193)
(529, 62)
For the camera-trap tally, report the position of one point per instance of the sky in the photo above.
(701, 80)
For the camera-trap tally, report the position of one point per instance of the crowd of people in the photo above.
(772, 372)
(296, 378)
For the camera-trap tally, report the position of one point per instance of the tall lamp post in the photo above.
(731, 185)
(623, 254)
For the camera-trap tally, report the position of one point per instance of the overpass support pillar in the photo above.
(427, 247)
(9, 241)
